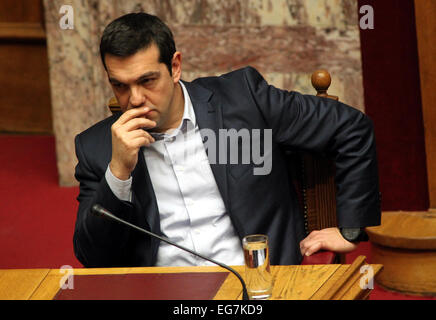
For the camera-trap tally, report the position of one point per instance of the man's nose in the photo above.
(137, 99)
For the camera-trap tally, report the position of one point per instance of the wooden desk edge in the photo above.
(50, 284)
(345, 283)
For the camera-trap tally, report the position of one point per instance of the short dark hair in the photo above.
(132, 32)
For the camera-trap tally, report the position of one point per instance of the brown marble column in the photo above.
(286, 40)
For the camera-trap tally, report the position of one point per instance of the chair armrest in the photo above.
(321, 257)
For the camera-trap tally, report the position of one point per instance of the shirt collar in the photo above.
(188, 112)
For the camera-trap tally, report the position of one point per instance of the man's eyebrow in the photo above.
(139, 79)
(113, 80)
(147, 75)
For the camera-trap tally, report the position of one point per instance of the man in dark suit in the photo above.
(151, 164)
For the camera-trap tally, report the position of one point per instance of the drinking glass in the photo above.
(258, 276)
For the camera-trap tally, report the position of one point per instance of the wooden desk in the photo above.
(318, 282)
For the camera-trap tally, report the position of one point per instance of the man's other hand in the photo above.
(329, 239)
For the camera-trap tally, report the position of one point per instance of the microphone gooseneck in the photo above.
(100, 211)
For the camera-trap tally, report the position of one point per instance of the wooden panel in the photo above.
(405, 230)
(300, 282)
(355, 292)
(407, 271)
(24, 88)
(21, 31)
(320, 192)
(340, 282)
(291, 282)
(21, 11)
(24, 79)
(344, 284)
(425, 12)
(16, 284)
(405, 243)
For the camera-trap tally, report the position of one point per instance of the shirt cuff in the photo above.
(122, 189)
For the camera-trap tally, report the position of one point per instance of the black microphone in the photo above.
(100, 211)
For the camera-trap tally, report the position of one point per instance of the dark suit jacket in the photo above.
(264, 204)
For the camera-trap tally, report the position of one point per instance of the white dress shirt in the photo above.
(192, 212)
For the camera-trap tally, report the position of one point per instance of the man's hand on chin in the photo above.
(329, 239)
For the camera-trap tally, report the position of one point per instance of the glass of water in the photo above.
(258, 276)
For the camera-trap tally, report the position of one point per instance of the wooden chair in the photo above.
(313, 177)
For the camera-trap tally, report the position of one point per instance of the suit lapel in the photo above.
(208, 114)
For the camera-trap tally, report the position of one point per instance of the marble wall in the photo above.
(286, 40)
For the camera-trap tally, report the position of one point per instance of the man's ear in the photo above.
(176, 65)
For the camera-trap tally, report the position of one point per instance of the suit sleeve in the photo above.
(321, 125)
(98, 242)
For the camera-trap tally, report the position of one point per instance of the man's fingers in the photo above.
(142, 141)
(139, 133)
(306, 242)
(138, 123)
(131, 114)
(315, 247)
(325, 239)
(305, 245)
(141, 138)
